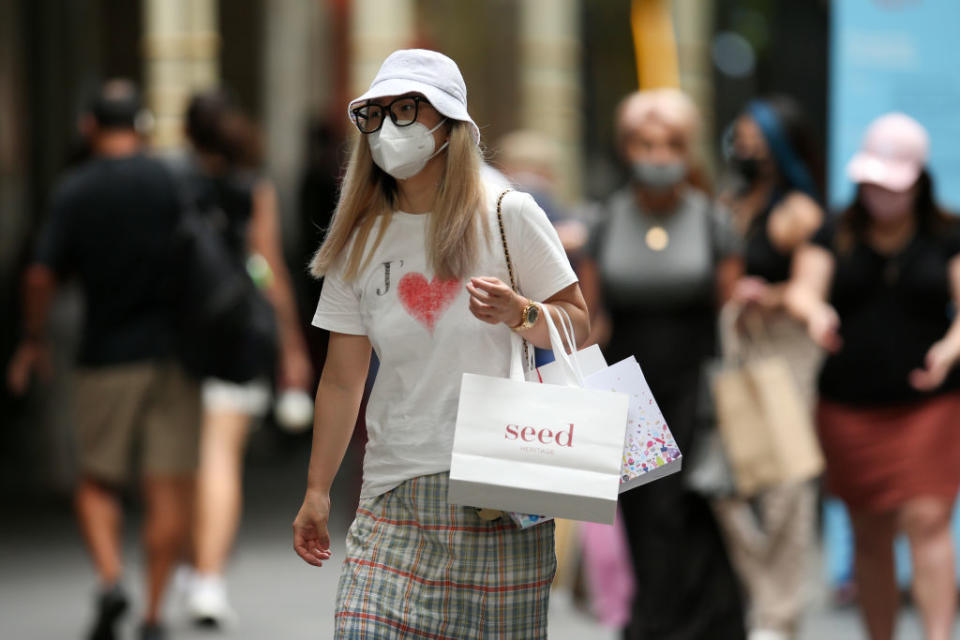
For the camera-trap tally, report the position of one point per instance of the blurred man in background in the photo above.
(112, 228)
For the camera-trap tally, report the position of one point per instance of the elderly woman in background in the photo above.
(662, 260)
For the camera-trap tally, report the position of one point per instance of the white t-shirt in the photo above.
(425, 336)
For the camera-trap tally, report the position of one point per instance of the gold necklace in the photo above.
(657, 238)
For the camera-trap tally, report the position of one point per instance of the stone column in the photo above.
(693, 22)
(377, 28)
(550, 82)
(289, 72)
(181, 55)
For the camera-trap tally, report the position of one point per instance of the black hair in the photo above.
(801, 137)
(117, 105)
(216, 124)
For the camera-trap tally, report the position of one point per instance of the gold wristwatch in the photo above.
(528, 317)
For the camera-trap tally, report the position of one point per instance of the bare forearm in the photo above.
(802, 303)
(39, 287)
(266, 239)
(334, 420)
(729, 271)
(951, 340)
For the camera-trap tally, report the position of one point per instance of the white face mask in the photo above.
(403, 151)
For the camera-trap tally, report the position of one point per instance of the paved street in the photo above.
(46, 580)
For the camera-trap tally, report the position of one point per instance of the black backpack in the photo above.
(226, 327)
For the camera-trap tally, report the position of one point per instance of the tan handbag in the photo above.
(766, 429)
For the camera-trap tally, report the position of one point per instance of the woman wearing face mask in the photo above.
(770, 536)
(414, 265)
(878, 289)
(662, 260)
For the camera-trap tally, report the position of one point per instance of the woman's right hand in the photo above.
(311, 540)
(823, 325)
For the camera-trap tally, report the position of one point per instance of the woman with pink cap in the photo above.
(878, 289)
(416, 266)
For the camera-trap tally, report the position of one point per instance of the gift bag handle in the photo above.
(568, 332)
(736, 347)
(569, 362)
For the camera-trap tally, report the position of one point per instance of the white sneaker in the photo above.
(208, 605)
(768, 634)
(181, 584)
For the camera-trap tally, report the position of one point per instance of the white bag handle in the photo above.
(568, 363)
(516, 357)
(566, 324)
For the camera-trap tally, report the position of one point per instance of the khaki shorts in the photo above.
(142, 415)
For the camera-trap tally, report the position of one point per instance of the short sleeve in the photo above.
(53, 247)
(339, 307)
(538, 257)
(723, 235)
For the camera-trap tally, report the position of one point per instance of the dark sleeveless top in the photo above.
(760, 256)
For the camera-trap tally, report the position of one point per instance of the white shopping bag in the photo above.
(649, 449)
(590, 360)
(538, 448)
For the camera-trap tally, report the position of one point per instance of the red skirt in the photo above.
(878, 458)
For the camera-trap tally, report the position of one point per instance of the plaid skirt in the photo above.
(417, 567)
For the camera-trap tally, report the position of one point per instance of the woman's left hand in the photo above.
(493, 301)
(939, 361)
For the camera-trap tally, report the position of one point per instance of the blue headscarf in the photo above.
(791, 166)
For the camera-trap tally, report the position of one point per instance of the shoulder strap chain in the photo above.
(506, 252)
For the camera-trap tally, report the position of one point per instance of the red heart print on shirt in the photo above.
(426, 301)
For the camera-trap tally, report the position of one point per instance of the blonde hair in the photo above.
(676, 110)
(457, 224)
(671, 107)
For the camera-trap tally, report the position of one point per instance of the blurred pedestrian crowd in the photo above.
(193, 332)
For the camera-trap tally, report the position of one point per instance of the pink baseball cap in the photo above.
(894, 152)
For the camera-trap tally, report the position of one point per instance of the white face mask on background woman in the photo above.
(884, 204)
(404, 151)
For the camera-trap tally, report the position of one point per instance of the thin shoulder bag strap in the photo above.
(513, 278)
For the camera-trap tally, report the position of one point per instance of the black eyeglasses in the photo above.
(403, 111)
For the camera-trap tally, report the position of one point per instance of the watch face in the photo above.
(533, 313)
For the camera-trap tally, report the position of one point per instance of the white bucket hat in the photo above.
(433, 74)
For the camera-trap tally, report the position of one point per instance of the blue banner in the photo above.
(895, 55)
